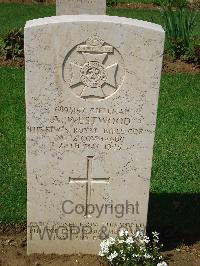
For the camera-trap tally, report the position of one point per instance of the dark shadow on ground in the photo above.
(176, 217)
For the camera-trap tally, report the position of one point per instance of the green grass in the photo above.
(12, 143)
(177, 147)
(16, 15)
(174, 207)
(176, 164)
(148, 15)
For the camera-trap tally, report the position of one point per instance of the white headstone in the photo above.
(78, 7)
(92, 85)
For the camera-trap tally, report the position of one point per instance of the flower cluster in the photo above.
(132, 250)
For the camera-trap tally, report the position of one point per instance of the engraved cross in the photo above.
(88, 181)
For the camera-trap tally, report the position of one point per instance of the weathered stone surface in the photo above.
(92, 85)
(78, 7)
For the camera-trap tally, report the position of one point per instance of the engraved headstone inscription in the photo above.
(78, 7)
(91, 105)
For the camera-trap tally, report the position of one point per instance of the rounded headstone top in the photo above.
(94, 18)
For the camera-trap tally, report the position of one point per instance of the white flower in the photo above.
(135, 255)
(104, 250)
(163, 263)
(104, 246)
(126, 233)
(112, 256)
(123, 232)
(155, 237)
(146, 239)
(121, 241)
(101, 253)
(129, 240)
(147, 256)
(105, 242)
(137, 234)
(155, 234)
(111, 240)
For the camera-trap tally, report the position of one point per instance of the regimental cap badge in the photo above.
(95, 78)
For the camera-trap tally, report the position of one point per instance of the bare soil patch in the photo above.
(184, 255)
(169, 65)
(179, 66)
(18, 62)
(13, 253)
(13, 245)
